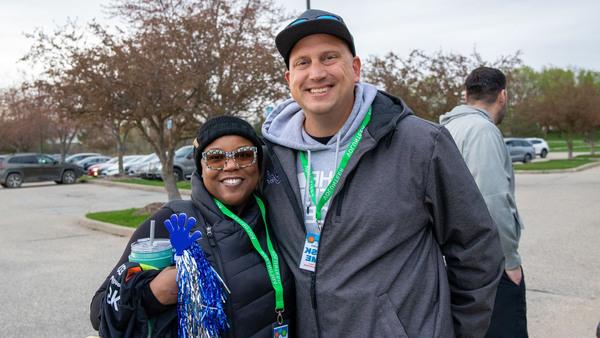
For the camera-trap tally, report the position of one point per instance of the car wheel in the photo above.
(13, 180)
(527, 158)
(68, 177)
(544, 153)
(178, 174)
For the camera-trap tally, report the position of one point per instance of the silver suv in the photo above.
(520, 149)
(183, 165)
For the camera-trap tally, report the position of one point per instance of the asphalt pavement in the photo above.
(51, 266)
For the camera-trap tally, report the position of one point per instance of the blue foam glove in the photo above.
(179, 231)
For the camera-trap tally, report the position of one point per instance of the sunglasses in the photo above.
(243, 157)
(320, 17)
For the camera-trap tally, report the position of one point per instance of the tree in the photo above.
(430, 84)
(568, 102)
(24, 125)
(187, 61)
(174, 65)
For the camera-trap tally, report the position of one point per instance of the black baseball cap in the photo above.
(313, 21)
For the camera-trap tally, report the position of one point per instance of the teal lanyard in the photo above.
(310, 180)
(271, 263)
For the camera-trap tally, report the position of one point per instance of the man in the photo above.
(473, 127)
(366, 200)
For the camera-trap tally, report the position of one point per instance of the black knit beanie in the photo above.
(222, 126)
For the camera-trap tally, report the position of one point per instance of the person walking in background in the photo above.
(367, 200)
(473, 127)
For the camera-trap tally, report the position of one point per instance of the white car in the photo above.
(113, 169)
(540, 145)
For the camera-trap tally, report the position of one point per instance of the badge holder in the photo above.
(280, 328)
(309, 252)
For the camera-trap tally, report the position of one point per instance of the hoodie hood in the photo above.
(284, 126)
(462, 110)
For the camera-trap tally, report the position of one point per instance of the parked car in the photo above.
(78, 157)
(520, 149)
(89, 161)
(94, 170)
(113, 169)
(183, 165)
(151, 169)
(540, 145)
(30, 167)
(138, 168)
(55, 156)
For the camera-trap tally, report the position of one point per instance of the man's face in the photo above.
(322, 75)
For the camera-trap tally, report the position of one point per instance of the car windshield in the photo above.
(149, 158)
(183, 151)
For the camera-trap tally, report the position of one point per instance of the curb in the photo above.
(134, 186)
(557, 171)
(106, 227)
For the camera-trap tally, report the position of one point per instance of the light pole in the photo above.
(307, 4)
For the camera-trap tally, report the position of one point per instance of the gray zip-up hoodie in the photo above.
(481, 144)
(405, 201)
(284, 126)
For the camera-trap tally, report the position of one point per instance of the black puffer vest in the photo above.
(251, 304)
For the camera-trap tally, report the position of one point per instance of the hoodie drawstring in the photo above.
(337, 151)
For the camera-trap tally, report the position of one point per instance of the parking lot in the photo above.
(51, 266)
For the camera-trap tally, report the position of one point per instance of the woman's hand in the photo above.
(164, 286)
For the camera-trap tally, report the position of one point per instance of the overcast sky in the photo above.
(548, 32)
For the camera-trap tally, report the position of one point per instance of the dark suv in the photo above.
(18, 168)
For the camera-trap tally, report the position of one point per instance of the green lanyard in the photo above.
(310, 180)
(272, 263)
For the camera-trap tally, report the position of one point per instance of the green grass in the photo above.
(590, 156)
(155, 183)
(552, 164)
(557, 143)
(578, 145)
(124, 217)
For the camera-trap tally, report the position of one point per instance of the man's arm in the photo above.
(467, 237)
(485, 155)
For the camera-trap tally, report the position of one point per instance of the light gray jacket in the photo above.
(404, 203)
(482, 146)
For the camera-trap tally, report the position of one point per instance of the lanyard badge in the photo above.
(281, 330)
(272, 262)
(309, 253)
(308, 260)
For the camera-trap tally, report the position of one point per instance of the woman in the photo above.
(228, 160)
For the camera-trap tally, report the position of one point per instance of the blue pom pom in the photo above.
(200, 301)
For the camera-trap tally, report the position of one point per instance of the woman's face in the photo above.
(232, 185)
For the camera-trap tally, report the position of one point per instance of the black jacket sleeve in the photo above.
(467, 236)
(143, 297)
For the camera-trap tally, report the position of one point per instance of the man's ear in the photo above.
(356, 64)
(502, 98)
(287, 77)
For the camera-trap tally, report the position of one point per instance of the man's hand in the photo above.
(515, 275)
(164, 286)
(179, 232)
